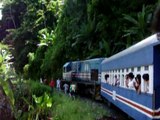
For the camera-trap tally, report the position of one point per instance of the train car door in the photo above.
(96, 87)
(94, 74)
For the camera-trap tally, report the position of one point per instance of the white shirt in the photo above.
(146, 87)
(131, 83)
(73, 87)
(58, 83)
(66, 86)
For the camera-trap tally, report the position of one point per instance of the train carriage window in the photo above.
(121, 75)
(146, 68)
(146, 82)
(78, 66)
(110, 73)
(106, 76)
(112, 79)
(127, 70)
(119, 79)
(86, 67)
(74, 66)
(116, 80)
(132, 69)
(147, 79)
(122, 80)
(138, 69)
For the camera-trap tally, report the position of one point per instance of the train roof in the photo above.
(93, 60)
(89, 60)
(136, 55)
(66, 64)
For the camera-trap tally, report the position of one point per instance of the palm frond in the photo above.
(130, 19)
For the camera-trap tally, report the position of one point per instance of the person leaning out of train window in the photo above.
(117, 81)
(106, 78)
(126, 80)
(137, 83)
(146, 82)
(131, 80)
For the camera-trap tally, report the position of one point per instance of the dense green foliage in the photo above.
(47, 33)
(6, 72)
(52, 32)
(34, 101)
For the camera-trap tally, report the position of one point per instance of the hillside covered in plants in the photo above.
(44, 34)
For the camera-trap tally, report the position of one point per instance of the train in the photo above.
(85, 74)
(116, 78)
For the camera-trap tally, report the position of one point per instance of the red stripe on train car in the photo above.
(153, 114)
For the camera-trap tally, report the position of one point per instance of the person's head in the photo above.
(115, 76)
(106, 76)
(130, 75)
(126, 77)
(146, 77)
(138, 78)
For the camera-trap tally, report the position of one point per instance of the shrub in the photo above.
(37, 88)
(65, 108)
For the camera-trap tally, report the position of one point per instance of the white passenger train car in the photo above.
(141, 59)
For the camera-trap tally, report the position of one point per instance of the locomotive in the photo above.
(85, 74)
(101, 75)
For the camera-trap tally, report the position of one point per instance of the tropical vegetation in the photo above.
(47, 33)
(43, 34)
